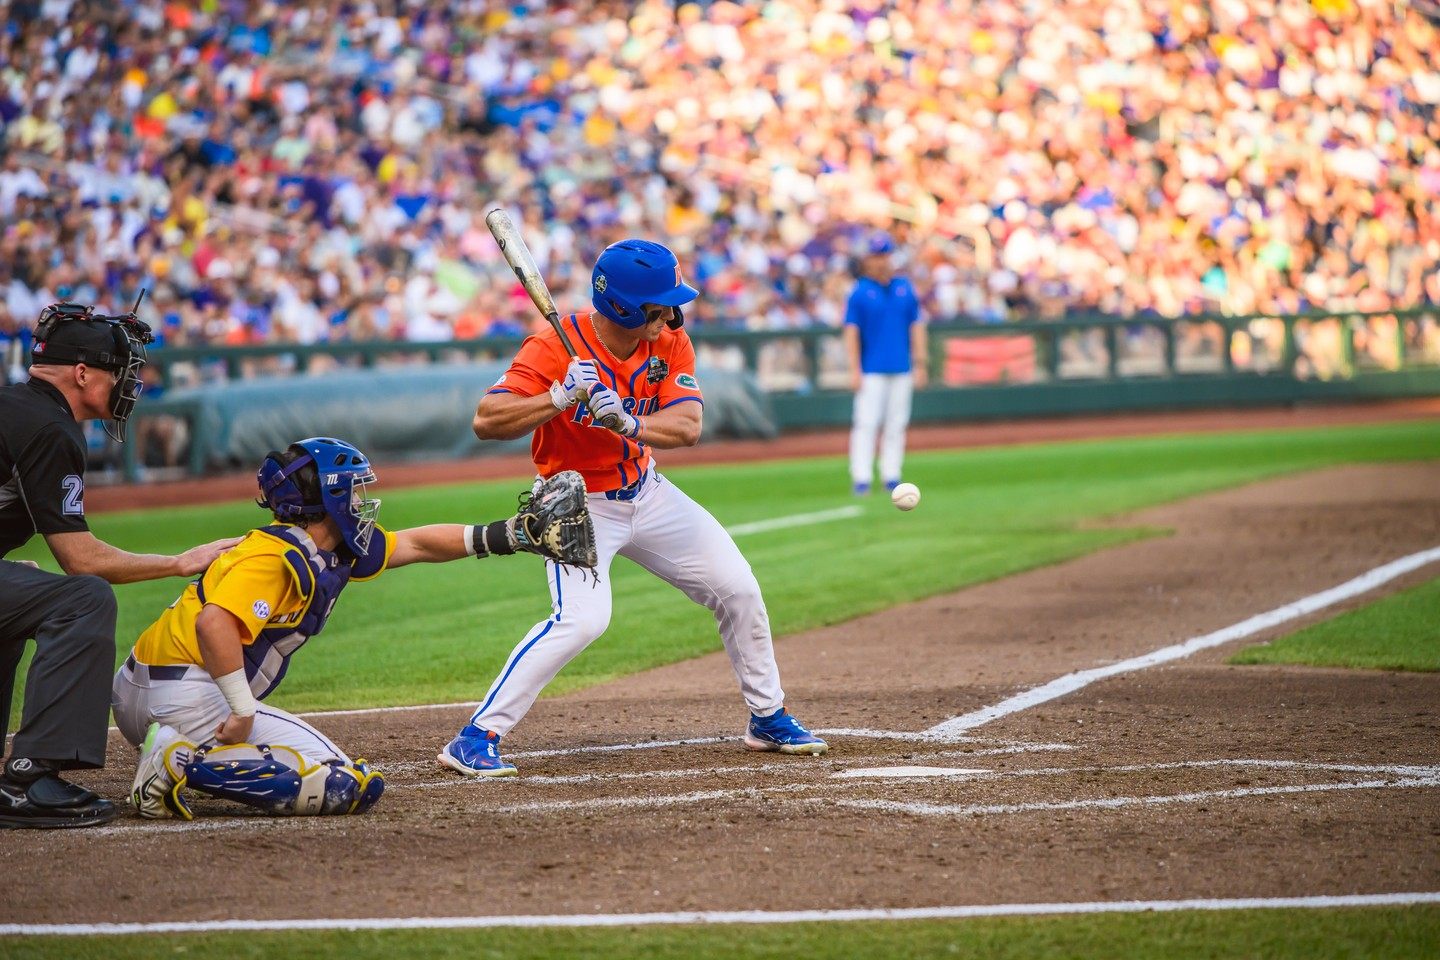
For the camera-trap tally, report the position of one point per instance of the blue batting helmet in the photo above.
(321, 477)
(632, 273)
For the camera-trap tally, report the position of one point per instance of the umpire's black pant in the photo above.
(67, 692)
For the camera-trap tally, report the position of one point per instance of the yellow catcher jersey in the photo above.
(270, 582)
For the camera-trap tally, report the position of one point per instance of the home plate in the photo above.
(908, 772)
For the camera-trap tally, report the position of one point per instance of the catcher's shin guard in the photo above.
(280, 781)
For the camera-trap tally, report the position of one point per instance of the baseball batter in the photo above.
(192, 687)
(636, 366)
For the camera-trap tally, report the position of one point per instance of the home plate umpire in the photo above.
(83, 367)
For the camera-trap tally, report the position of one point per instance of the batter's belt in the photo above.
(631, 491)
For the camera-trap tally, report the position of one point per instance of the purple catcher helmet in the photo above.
(334, 487)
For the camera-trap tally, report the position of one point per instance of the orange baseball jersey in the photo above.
(657, 375)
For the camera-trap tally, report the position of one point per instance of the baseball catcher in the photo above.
(191, 693)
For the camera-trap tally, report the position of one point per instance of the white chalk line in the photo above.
(1408, 771)
(1402, 775)
(551, 780)
(795, 520)
(800, 766)
(796, 765)
(1071, 682)
(1111, 803)
(249, 924)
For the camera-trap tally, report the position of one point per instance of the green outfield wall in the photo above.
(404, 399)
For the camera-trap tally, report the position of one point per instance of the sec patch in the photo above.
(261, 608)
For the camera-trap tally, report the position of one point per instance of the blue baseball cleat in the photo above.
(890, 485)
(861, 489)
(781, 731)
(475, 753)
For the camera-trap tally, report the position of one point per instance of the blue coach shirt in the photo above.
(884, 316)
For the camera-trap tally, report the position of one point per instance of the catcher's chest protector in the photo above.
(323, 572)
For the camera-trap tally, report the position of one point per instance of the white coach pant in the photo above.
(194, 706)
(676, 539)
(883, 398)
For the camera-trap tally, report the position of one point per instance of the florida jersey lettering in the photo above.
(606, 460)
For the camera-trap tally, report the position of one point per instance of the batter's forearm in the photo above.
(507, 416)
(677, 426)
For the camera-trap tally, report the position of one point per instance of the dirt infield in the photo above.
(1194, 779)
(945, 436)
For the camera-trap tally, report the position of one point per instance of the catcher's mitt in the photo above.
(554, 521)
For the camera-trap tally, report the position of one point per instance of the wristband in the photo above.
(558, 397)
(491, 538)
(237, 693)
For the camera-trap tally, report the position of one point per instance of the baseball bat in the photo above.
(512, 246)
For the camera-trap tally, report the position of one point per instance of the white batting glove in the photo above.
(605, 403)
(580, 377)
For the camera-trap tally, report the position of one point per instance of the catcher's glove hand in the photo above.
(554, 521)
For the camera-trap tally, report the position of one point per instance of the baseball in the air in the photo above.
(906, 496)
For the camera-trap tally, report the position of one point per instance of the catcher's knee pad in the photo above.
(279, 780)
(352, 788)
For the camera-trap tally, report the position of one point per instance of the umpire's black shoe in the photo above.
(32, 795)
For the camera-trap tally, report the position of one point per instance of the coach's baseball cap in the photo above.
(879, 243)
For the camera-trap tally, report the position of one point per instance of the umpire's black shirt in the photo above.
(42, 465)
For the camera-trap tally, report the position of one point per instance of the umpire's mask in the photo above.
(71, 333)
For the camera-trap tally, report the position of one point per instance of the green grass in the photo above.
(1401, 632)
(1350, 933)
(429, 634)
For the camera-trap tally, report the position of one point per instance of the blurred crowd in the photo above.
(319, 169)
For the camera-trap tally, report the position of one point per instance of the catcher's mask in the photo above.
(632, 273)
(321, 477)
(72, 333)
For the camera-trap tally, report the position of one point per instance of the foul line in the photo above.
(1111, 803)
(720, 917)
(794, 520)
(1401, 776)
(1071, 682)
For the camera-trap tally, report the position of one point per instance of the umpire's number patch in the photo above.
(73, 504)
(261, 608)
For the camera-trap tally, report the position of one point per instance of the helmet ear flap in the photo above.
(281, 491)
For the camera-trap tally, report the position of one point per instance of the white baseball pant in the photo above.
(194, 706)
(676, 539)
(883, 398)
